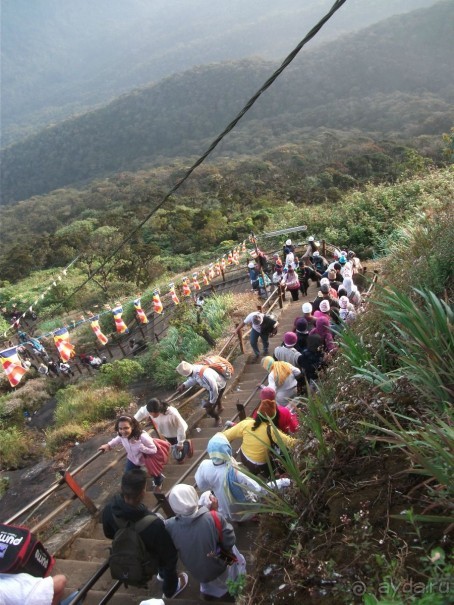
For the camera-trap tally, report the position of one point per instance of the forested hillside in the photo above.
(394, 77)
(75, 55)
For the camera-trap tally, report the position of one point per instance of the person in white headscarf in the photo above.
(352, 291)
(347, 311)
(196, 537)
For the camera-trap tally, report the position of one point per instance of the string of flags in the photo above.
(11, 361)
(32, 307)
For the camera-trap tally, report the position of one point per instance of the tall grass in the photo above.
(86, 404)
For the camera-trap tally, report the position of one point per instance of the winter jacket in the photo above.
(155, 537)
(196, 539)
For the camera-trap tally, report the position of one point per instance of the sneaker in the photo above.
(183, 581)
(229, 424)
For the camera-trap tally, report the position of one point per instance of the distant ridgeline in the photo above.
(393, 78)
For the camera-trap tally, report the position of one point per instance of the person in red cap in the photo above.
(284, 419)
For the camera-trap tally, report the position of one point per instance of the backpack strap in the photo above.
(217, 523)
(138, 525)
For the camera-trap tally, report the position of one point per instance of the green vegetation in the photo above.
(119, 373)
(377, 443)
(187, 338)
(15, 446)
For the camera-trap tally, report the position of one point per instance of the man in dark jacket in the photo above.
(129, 506)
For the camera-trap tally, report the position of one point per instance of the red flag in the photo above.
(11, 364)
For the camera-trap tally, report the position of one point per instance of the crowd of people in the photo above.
(201, 533)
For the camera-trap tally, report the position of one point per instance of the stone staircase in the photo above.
(89, 549)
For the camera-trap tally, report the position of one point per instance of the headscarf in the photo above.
(281, 369)
(349, 286)
(184, 500)
(322, 326)
(220, 452)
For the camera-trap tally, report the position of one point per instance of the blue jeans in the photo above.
(130, 466)
(254, 340)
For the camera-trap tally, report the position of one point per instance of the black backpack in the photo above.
(129, 560)
(268, 325)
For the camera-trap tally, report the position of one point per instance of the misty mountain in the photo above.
(61, 57)
(392, 77)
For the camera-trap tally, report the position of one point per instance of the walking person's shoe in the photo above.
(183, 581)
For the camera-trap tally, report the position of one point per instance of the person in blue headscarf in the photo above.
(234, 490)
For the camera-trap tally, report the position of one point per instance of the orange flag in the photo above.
(186, 287)
(94, 323)
(141, 316)
(65, 348)
(173, 294)
(157, 304)
(11, 364)
(205, 279)
(195, 282)
(120, 325)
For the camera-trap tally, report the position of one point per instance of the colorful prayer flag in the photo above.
(195, 282)
(223, 262)
(186, 287)
(65, 348)
(173, 294)
(12, 366)
(217, 267)
(120, 325)
(94, 323)
(211, 274)
(243, 247)
(157, 304)
(141, 315)
(230, 258)
(205, 279)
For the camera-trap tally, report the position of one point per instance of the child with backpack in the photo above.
(138, 444)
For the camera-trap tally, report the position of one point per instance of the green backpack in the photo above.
(129, 560)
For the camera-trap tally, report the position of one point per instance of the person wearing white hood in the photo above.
(197, 534)
(352, 291)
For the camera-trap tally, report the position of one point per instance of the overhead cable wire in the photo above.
(312, 33)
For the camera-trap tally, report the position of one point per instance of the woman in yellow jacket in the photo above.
(253, 432)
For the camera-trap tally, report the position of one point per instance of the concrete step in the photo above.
(89, 549)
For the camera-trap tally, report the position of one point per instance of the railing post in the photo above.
(241, 411)
(161, 498)
(280, 299)
(323, 247)
(240, 337)
(79, 491)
